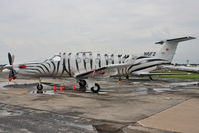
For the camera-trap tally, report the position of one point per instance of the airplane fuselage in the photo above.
(69, 65)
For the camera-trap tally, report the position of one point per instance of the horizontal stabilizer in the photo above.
(176, 40)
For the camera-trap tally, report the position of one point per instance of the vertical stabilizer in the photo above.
(169, 47)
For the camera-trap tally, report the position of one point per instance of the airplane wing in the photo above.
(106, 71)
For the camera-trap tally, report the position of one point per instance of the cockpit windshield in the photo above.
(55, 58)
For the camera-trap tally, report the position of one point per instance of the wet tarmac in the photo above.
(116, 109)
(21, 119)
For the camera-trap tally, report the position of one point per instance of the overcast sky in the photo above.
(34, 29)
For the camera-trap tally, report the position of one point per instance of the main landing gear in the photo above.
(94, 87)
(82, 85)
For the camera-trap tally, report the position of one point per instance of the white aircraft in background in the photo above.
(182, 68)
(86, 67)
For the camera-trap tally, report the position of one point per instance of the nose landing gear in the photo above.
(40, 87)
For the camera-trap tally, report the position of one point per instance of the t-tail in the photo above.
(168, 50)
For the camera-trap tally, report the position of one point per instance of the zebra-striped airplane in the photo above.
(86, 67)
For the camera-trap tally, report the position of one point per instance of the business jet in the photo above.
(191, 69)
(87, 67)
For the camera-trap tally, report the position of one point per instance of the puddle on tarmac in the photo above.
(51, 92)
(161, 89)
(7, 85)
(84, 126)
(48, 92)
(184, 84)
(100, 92)
(10, 112)
(141, 91)
(4, 84)
(87, 126)
(144, 91)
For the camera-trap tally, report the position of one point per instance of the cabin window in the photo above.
(86, 60)
(78, 60)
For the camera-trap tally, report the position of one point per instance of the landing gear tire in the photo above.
(95, 88)
(39, 88)
(82, 85)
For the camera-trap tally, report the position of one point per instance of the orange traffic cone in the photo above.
(54, 88)
(61, 88)
(74, 87)
(9, 79)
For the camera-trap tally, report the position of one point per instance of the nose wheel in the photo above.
(39, 87)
